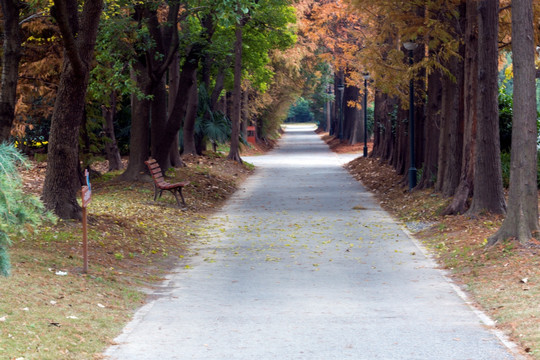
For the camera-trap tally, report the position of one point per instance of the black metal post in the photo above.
(341, 89)
(412, 169)
(365, 118)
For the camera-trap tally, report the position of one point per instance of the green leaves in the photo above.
(16, 208)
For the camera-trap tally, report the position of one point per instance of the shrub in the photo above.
(505, 165)
(17, 210)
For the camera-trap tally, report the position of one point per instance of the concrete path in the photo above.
(303, 264)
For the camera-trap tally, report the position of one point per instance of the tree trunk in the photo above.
(353, 128)
(432, 127)
(189, 121)
(61, 180)
(464, 190)
(188, 80)
(419, 106)
(10, 65)
(244, 114)
(150, 72)
(158, 123)
(400, 156)
(521, 221)
(139, 134)
(451, 139)
(174, 79)
(488, 189)
(234, 153)
(378, 126)
(111, 146)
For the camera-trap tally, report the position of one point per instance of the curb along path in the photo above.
(302, 263)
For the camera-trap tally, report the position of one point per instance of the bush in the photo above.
(16, 208)
(505, 166)
(506, 113)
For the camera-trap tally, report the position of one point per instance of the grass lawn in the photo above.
(50, 310)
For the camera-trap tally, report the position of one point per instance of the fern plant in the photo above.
(213, 126)
(17, 209)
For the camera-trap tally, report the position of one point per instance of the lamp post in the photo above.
(340, 88)
(328, 110)
(411, 46)
(366, 78)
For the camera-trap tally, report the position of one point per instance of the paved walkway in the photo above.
(303, 264)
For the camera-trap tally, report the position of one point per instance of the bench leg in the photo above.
(175, 193)
(156, 190)
(182, 196)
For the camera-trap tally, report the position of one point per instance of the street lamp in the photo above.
(366, 79)
(411, 46)
(328, 110)
(341, 89)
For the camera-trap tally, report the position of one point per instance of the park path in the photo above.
(302, 263)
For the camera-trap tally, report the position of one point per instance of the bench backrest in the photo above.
(155, 170)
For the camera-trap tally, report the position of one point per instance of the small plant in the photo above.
(18, 212)
(249, 166)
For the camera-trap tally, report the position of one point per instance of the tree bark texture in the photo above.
(377, 125)
(521, 220)
(400, 156)
(188, 80)
(451, 136)
(61, 179)
(234, 153)
(158, 122)
(488, 189)
(111, 146)
(465, 188)
(174, 79)
(10, 65)
(419, 106)
(432, 127)
(139, 141)
(189, 121)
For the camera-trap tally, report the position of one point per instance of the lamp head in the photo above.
(366, 76)
(410, 45)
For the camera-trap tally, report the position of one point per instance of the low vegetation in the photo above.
(50, 310)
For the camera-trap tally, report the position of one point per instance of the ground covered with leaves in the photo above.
(50, 310)
(504, 280)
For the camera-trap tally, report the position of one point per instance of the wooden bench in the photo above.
(160, 184)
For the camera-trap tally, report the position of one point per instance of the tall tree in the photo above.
(488, 189)
(464, 190)
(521, 220)
(234, 152)
(79, 34)
(11, 56)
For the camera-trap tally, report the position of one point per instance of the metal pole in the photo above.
(342, 90)
(85, 241)
(365, 118)
(412, 170)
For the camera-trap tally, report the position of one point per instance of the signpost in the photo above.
(86, 195)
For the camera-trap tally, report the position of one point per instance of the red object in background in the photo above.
(251, 134)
